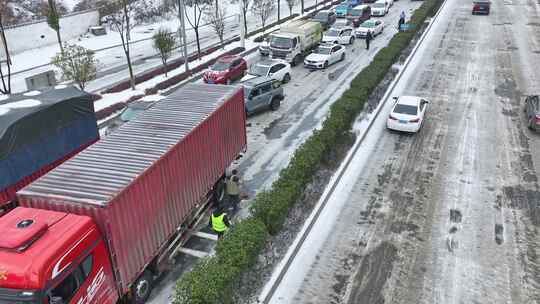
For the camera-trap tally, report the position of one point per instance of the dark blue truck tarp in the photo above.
(40, 128)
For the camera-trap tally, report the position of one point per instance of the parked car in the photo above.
(226, 70)
(276, 69)
(326, 18)
(379, 8)
(342, 10)
(262, 93)
(532, 110)
(131, 111)
(325, 55)
(376, 27)
(359, 14)
(344, 35)
(264, 47)
(342, 23)
(407, 114)
(481, 7)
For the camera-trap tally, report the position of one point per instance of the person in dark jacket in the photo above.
(219, 221)
(368, 39)
(401, 21)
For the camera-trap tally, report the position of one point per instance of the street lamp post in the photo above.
(181, 16)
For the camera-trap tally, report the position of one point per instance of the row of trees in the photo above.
(78, 64)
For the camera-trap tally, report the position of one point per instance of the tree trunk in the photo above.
(244, 11)
(278, 10)
(131, 76)
(302, 7)
(7, 86)
(126, 49)
(60, 41)
(196, 29)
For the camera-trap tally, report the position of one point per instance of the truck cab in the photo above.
(50, 257)
(293, 41)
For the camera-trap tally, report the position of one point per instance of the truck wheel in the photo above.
(219, 190)
(142, 288)
(286, 78)
(274, 104)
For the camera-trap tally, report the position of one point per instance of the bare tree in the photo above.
(291, 4)
(278, 10)
(263, 9)
(53, 19)
(122, 25)
(245, 6)
(199, 7)
(6, 79)
(164, 42)
(76, 63)
(215, 16)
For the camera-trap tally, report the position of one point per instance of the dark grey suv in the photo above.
(532, 110)
(325, 18)
(262, 93)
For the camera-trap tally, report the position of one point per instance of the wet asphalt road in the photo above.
(452, 214)
(273, 136)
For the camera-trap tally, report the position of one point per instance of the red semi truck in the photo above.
(38, 131)
(101, 226)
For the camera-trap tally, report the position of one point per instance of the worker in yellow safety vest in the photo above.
(219, 221)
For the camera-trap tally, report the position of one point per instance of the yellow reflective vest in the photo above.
(218, 224)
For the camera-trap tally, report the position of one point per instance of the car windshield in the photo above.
(323, 50)
(130, 113)
(259, 70)
(323, 16)
(281, 42)
(405, 109)
(355, 12)
(378, 5)
(368, 24)
(332, 33)
(220, 66)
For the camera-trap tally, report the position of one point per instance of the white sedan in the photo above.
(279, 70)
(376, 27)
(407, 114)
(325, 55)
(341, 35)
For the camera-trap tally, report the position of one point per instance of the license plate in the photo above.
(403, 121)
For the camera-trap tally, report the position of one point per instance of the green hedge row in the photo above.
(212, 280)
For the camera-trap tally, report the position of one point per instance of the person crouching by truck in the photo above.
(219, 221)
(233, 190)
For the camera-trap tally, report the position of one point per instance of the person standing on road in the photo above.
(368, 39)
(219, 221)
(401, 20)
(233, 190)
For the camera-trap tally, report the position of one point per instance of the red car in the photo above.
(226, 70)
(481, 7)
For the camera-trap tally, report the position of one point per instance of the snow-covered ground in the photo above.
(112, 66)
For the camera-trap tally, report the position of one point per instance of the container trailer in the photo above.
(102, 225)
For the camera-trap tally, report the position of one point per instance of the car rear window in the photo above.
(405, 109)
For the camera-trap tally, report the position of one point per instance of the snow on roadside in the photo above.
(113, 98)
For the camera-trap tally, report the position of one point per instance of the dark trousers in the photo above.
(220, 234)
(234, 200)
(367, 43)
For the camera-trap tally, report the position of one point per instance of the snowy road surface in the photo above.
(451, 214)
(273, 136)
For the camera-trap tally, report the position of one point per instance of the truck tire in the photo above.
(142, 288)
(295, 60)
(219, 191)
(274, 104)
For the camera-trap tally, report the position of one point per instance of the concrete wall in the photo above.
(38, 34)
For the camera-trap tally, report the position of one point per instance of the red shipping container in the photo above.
(140, 183)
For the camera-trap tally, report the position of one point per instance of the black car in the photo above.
(325, 18)
(131, 111)
(532, 111)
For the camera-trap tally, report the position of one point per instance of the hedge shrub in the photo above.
(212, 280)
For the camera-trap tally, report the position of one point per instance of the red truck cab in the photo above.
(226, 70)
(50, 257)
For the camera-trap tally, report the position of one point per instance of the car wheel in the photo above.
(531, 123)
(142, 288)
(336, 42)
(286, 78)
(325, 65)
(342, 57)
(351, 41)
(274, 104)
